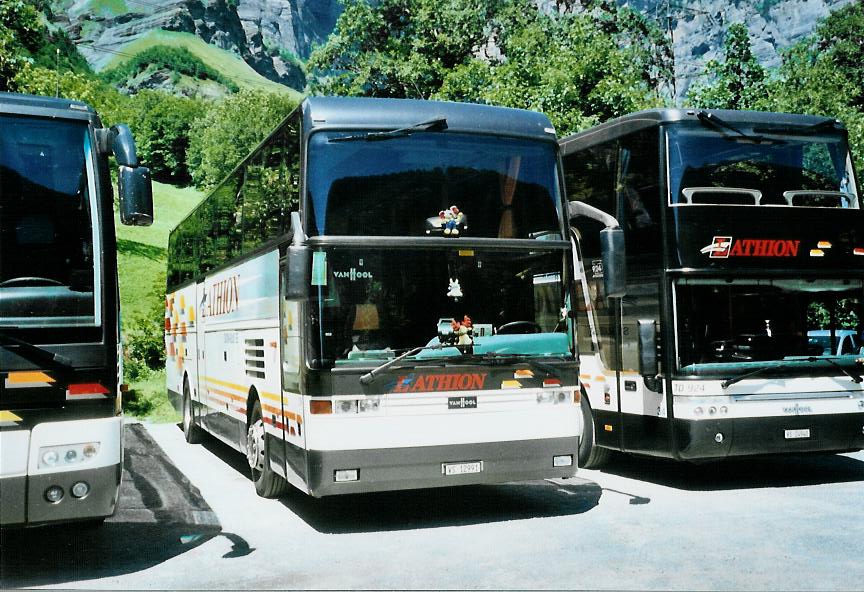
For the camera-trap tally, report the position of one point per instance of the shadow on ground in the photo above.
(160, 515)
(429, 508)
(743, 473)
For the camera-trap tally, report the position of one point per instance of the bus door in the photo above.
(213, 367)
(294, 434)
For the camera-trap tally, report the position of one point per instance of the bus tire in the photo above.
(267, 482)
(591, 456)
(193, 433)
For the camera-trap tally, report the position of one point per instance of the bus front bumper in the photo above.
(427, 466)
(720, 438)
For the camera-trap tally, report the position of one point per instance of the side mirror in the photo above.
(612, 253)
(649, 365)
(298, 273)
(136, 196)
(123, 146)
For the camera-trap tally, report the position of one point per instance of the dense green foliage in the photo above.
(26, 41)
(229, 131)
(738, 82)
(821, 75)
(579, 68)
(177, 60)
(162, 124)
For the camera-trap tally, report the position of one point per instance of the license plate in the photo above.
(793, 434)
(463, 468)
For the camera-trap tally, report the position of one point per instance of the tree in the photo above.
(738, 82)
(229, 130)
(824, 74)
(162, 124)
(563, 66)
(579, 68)
(399, 48)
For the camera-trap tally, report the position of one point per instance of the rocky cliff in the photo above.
(272, 36)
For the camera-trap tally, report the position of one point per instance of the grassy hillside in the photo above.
(224, 62)
(141, 257)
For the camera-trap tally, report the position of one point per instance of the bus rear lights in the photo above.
(69, 454)
(562, 460)
(553, 397)
(345, 475)
(321, 407)
(718, 438)
(80, 489)
(54, 494)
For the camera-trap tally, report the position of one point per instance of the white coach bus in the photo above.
(377, 299)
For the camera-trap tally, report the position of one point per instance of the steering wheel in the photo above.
(518, 327)
(29, 281)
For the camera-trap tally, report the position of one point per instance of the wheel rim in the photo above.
(187, 409)
(255, 446)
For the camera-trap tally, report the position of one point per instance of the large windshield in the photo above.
(726, 326)
(758, 167)
(47, 265)
(372, 302)
(432, 183)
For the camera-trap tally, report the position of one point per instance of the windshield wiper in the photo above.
(712, 119)
(370, 376)
(35, 353)
(729, 382)
(433, 125)
(856, 378)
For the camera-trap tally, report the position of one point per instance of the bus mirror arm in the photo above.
(613, 251)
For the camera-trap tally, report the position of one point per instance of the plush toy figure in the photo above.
(463, 330)
(453, 219)
(454, 290)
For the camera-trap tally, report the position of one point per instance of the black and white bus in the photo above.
(740, 332)
(377, 299)
(60, 402)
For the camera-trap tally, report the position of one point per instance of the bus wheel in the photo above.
(192, 432)
(591, 456)
(267, 483)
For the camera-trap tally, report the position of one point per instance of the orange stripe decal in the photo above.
(28, 377)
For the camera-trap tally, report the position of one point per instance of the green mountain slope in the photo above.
(224, 62)
(141, 258)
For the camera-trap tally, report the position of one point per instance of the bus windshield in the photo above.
(434, 183)
(48, 271)
(726, 325)
(761, 168)
(371, 302)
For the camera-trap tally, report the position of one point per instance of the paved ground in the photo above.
(189, 518)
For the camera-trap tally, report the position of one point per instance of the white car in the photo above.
(848, 342)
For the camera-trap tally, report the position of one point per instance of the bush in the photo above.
(162, 57)
(144, 342)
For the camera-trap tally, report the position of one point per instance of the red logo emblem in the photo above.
(719, 248)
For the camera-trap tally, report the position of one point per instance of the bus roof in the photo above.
(641, 120)
(387, 114)
(18, 104)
